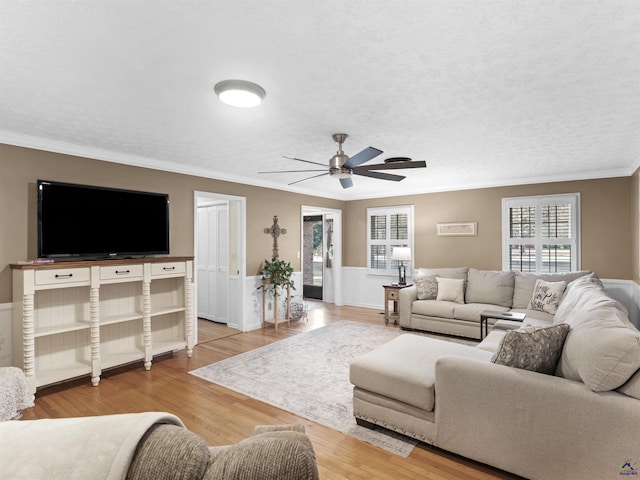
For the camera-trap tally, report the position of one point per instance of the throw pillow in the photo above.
(532, 348)
(450, 289)
(426, 287)
(547, 296)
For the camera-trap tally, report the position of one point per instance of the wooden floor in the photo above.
(222, 416)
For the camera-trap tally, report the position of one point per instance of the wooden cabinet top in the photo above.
(91, 263)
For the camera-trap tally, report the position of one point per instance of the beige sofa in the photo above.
(581, 421)
(150, 445)
(456, 308)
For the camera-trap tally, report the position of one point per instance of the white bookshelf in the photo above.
(73, 319)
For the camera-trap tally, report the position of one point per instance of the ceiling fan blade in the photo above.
(364, 156)
(306, 161)
(309, 178)
(380, 175)
(393, 165)
(346, 182)
(294, 171)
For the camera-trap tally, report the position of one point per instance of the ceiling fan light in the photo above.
(239, 93)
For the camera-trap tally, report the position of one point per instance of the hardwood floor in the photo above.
(222, 416)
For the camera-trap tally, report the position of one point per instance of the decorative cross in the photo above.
(275, 232)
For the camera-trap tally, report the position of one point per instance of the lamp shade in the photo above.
(401, 254)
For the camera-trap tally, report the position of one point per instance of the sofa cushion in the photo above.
(546, 296)
(404, 368)
(455, 272)
(603, 347)
(471, 311)
(433, 308)
(450, 289)
(632, 387)
(524, 284)
(426, 287)
(490, 286)
(532, 348)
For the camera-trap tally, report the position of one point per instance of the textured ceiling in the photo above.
(486, 92)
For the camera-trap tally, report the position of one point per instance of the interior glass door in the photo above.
(312, 252)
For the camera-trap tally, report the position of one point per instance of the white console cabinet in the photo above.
(78, 318)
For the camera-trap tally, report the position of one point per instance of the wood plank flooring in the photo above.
(222, 416)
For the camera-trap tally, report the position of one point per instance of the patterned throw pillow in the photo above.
(426, 287)
(547, 296)
(532, 348)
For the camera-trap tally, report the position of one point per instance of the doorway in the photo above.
(312, 268)
(220, 258)
(322, 257)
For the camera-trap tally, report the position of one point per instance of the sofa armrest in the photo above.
(406, 297)
(167, 452)
(534, 425)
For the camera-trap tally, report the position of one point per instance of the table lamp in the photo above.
(401, 254)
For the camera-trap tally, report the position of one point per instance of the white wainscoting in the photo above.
(626, 292)
(359, 289)
(253, 302)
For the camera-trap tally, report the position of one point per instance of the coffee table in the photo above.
(487, 314)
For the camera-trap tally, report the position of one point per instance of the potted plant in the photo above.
(276, 274)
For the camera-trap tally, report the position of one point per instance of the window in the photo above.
(541, 234)
(387, 228)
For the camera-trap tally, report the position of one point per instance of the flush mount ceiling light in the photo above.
(239, 93)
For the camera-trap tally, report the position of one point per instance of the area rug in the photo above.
(308, 375)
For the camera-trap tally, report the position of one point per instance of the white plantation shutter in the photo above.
(387, 228)
(541, 234)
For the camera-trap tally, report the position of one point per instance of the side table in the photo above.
(391, 295)
(487, 314)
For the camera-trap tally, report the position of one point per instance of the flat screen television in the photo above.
(96, 222)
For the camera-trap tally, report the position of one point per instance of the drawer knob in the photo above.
(168, 269)
(122, 272)
(67, 275)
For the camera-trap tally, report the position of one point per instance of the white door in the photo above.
(213, 263)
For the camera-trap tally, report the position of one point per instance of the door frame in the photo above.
(236, 302)
(337, 245)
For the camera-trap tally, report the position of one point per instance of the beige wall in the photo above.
(609, 215)
(21, 167)
(605, 214)
(635, 226)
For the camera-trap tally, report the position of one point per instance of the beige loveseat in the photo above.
(490, 402)
(144, 446)
(450, 300)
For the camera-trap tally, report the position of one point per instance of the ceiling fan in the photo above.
(343, 167)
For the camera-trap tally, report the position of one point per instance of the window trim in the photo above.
(387, 211)
(539, 201)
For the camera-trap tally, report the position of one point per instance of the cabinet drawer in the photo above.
(62, 275)
(120, 271)
(169, 268)
(392, 294)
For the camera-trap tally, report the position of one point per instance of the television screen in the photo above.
(97, 222)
